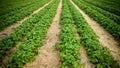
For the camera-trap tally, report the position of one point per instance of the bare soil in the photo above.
(7, 31)
(48, 56)
(106, 39)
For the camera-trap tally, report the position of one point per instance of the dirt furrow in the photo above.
(83, 55)
(7, 31)
(105, 38)
(49, 57)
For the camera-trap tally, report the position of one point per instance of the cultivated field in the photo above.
(59, 34)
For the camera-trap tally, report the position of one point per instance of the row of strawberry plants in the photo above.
(16, 15)
(19, 33)
(28, 49)
(98, 55)
(115, 1)
(69, 45)
(109, 15)
(110, 2)
(11, 5)
(109, 8)
(107, 23)
(17, 10)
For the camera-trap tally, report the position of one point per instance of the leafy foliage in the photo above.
(107, 14)
(108, 7)
(97, 54)
(108, 24)
(17, 10)
(32, 29)
(21, 32)
(69, 45)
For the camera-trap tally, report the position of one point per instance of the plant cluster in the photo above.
(69, 45)
(18, 11)
(112, 27)
(28, 49)
(108, 7)
(98, 55)
(21, 32)
(107, 14)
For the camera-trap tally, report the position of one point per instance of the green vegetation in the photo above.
(97, 54)
(107, 23)
(22, 31)
(30, 35)
(69, 45)
(29, 47)
(108, 7)
(17, 10)
(107, 14)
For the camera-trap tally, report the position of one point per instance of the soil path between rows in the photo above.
(105, 38)
(83, 55)
(48, 56)
(7, 31)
